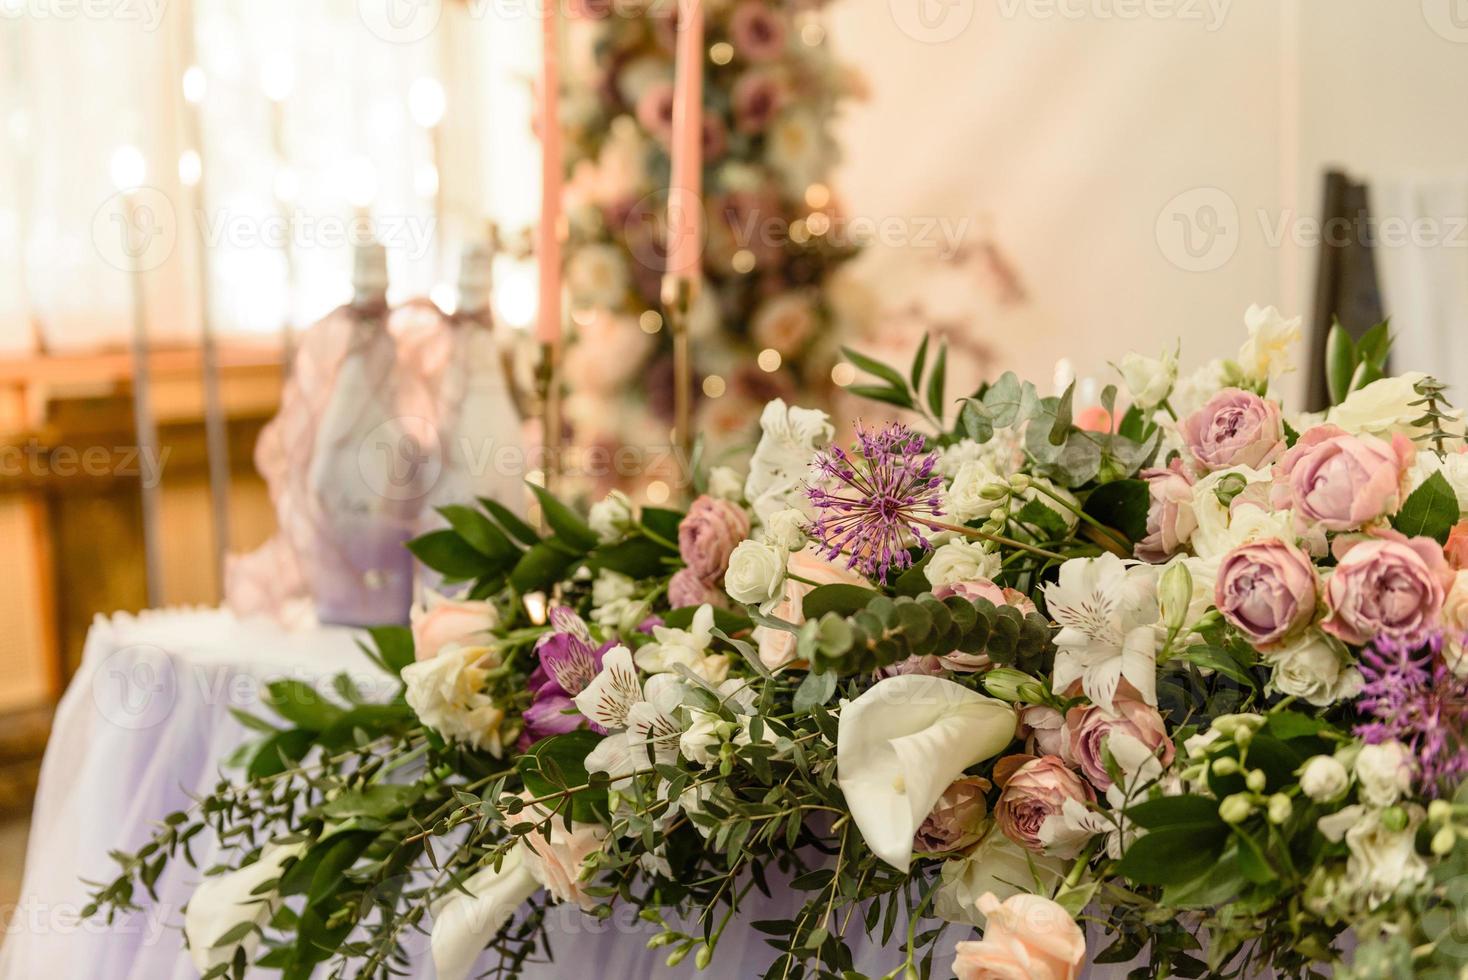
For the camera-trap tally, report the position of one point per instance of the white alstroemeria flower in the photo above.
(1106, 608)
(464, 924)
(1149, 379)
(901, 744)
(674, 647)
(221, 904)
(643, 719)
(781, 461)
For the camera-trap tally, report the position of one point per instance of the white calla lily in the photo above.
(464, 924)
(901, 744)
(221, 904)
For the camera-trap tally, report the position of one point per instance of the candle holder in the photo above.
(679, 293)
(549, 388)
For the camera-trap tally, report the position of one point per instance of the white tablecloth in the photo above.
(145, 725)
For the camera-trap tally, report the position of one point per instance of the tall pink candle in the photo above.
(685, 190)
(552, 171)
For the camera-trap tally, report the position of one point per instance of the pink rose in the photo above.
(980, 588)
(756, 98)
(757, 32)
(655, 111)
(686, 588)
(1044, 726)
(444, 622)
(709, 534)
(1026, 937)
(1387, 586)
(1087, 729)
(1341, 481)
(1456, 550)
(1266, 589)
(1037, 790)
(776, 646)
(957, 819)
(1234, 428)
(1171, 520)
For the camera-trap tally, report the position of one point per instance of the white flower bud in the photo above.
(1175, 595)
(612, 517)
(1280, 808)
(1323, 779)
(1235, 808)
(1255, 780)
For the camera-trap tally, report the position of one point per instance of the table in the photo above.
(145, 725)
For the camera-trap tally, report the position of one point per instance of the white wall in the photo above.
(1089, 136)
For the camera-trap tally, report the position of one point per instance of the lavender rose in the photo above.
(1037, 791)
(758, 33)
(1171, 519)
(1267, 590)
(709, 535)
(957, 819)
(1087, 729)
(1234, 428)
(686, 588)
(1340, 481)
(1389, 586)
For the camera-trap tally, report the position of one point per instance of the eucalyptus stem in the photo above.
(975, 533)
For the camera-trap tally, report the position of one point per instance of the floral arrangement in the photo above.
(775, 235)
(1191, 673)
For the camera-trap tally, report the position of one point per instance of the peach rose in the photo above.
(1026, 937)
(557, 859)
(957, 819)
(777, 647)
(1456, 550)
(1037, 791)
(443, 622)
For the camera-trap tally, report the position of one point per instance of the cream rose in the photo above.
(1384, 773)
(1149, 379)
(612, 517)
(756, 573)
(1323, 778)
(961, 560)
(1314, 668)
(447, 693)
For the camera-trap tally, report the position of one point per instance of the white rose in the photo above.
(1384, 773)
(725, 484)
(706, 732)
(961, 560)
(1149, 379)
(447, 693)
(964, 499)
(1383, 862)
(1193, 391)
(756, 573)
(1314, 668)
(611, 586)
(1267, 353)
(786, 529)
(1454, 469)
(1384, 407)
(1224, 527)
(612, 517)
(1324, 779)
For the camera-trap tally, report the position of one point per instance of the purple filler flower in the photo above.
(871, 503)
(568, 663)
(1413, 698)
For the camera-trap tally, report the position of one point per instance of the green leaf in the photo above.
(875, 367)
(662, 522)
(558, 763)
(1060, 429)
(813, 690)
(572, 530)
(1287, 725)
(253, 723)
(914, 581)
(450, 555)
(394, 644)
(1376, 344)
(975, 421)
(540, 567)
(300, 704)
(636, 557)
(1219, 660)
(481, 534)
(938, 383)
(838, 598)
(1340, 363)
(273, 754)
(1172, 811)
(512, 524)
(1005, 399)
(381, 801)
(1431, 510)
(919, 361)
(728, 621)
(1041, 515)
(1123, 505)
(1172, 855)
(888, 396)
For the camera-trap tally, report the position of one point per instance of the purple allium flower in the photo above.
(871, 503)
(568, 663)
(1413, 697)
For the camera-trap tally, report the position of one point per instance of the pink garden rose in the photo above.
(1026, 937)
(1387, 586)
(1340, 481)
(687, 588)
(957, 819)
(444, 622)
(1037, 790)
(1088, 727)
(1171, 520)
(980, 588)
(708, 535)
(1234, 428)
(777, 646)
(1043, 726)
(1266, 589)
(757, 32)
(558, 857)
(756, 98)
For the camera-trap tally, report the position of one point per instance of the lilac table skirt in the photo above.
(145, 724)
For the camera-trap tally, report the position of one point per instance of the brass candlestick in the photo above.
(678, 296)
